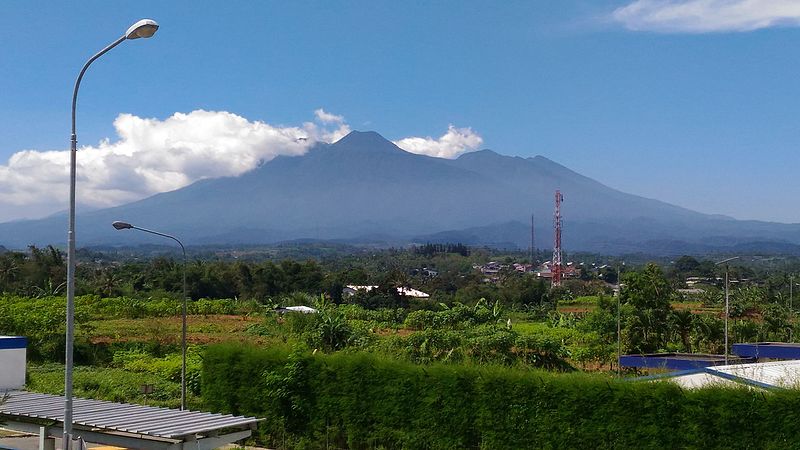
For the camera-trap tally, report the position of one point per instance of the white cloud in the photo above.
(702, 16)
(153, 156)
(326, 117)
(450, 145)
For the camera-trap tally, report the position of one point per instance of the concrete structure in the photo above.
(13, 357)
(770, 375)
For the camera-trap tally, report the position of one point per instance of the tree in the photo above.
(649, 293)
(682, 322)
(776, 324)
(687, 265)
(709, 333)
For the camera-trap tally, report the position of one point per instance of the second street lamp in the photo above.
(619, 320)
(126, 226)
(144, 28)
(727, 303)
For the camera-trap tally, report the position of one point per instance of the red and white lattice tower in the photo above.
(557, 266)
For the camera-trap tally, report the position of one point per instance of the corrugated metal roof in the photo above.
(137, 419)
(776, 374)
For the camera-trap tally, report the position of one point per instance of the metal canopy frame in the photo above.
(123, 425)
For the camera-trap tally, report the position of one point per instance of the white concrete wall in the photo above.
(12, 363)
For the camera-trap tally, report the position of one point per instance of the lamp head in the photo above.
(122, 225)
(144, 28)
(724, 261)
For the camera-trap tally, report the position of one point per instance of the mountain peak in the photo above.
(365, 140)
(485, 153)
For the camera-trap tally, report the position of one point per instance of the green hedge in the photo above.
(362, 401)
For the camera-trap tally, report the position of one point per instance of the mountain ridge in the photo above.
(364, 185)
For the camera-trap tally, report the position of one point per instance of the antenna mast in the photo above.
(557, 266)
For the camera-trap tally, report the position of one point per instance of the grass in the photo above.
(697, 307)
(110, 384)
(529, 327)
(580, 304)
(166, 330)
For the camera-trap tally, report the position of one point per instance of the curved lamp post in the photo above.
(126, 226)
(144, 28)
(619, 320)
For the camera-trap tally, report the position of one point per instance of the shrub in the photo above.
(41, 320)
(419, 320)
(364, 401)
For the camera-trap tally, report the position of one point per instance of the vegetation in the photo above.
(361, 401)
(496, 360)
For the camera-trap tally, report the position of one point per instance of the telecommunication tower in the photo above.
(557, 265)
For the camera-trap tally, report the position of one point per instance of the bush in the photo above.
(137, 308)
(363, 401)
(419, 320)
(42, 321)
(112, 384)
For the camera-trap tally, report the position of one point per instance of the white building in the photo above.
(353, 289)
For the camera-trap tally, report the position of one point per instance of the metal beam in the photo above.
(46, 434)
(116, 440)
(210, 443)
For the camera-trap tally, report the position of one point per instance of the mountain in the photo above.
(363, 187)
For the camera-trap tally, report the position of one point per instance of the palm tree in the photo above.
(709, 330)
(106, 282)
(682, 321)
(8, 272)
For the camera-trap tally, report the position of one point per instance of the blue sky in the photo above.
(694, 102)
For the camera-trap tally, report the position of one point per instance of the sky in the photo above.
(692, 102)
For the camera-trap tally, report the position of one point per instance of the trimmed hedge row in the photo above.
(362, 401)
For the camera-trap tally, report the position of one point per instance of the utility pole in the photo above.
(619, 319)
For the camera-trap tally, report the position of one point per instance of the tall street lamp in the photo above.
(127, 226)
(791, 307)
(727, 303)
(144, 28)
(619, 320)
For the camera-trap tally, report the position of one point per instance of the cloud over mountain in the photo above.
(452, 144)
(154, 155)
(703, 16)
(150, 156)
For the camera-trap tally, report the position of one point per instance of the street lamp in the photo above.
(127, 226)
(619, 320)
(791, 306)
(144, 28)
(727, 303)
